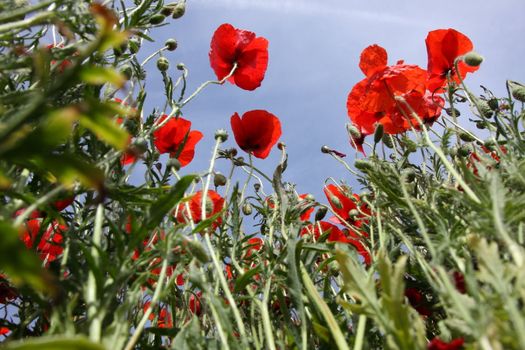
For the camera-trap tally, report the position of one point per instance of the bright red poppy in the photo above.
(214, 204)
(444, 46)
(438, 344)
(342, 201)
(4, 331)
(256, 132)
(305, 215)
(230, 46)
(372, 100)
(254, 245)
(164, 319)
(175, 138)
(50, 245)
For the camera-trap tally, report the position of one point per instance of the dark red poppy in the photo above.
(230, 46)
(195, 303)
(175, 138)
(372, 100)
(416, 299)
(164, 319)
(444, 46)
(62, 204)
(459, 282)
(438, 344)
(50, 245)
(256, 132)
(214, 204)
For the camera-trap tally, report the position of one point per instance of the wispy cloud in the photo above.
(312, 8)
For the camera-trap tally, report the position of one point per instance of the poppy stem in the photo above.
(250, 174)
(42, 200)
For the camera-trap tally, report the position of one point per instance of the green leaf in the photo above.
(246, 278)
(105, 129)
(99, 76)
(54, 343)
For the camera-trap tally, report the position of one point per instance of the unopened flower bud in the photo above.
(158, 166)
(363, 165)
(281, 146)
(484, 109)
(163, 64)
(464, 150)
(232, 152)
(378, 134)
(353, 213)
(221, 134)
(387, 141)
(167, 10)
(173, 163)
(256, 187)
(321, 213)
(467, 137)
(126, 71)
(481, 125)
(141, 144)
(353, 131)
(409, 174)
(473, 59)
(171, 45)
(219, 180)
(134, 45)
(325, 149)
(517, 90)
(247, 208)
(157, 19)
(336, 202)
(197, 250)
(452, 111)
(493, 104)
(179, 9)
(180, 66)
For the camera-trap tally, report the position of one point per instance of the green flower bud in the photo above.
(481, 125)
(163, 64)
(363, 165)
(134, 45)
(321, 213)
(256, 187)
(409, 174)
(179, 10)
(484, 109)
(127, 71)
(387, 141)
(247, 209)
(325, 149)
(517, 90)
(353, 213)
(464, 150)
(197, 250)
(221, 134)
(493, 104)
(141, 144)
(452, 111)
(180, 66)
(219, 180)
(379, 132)
(157, 19)
(174, 163)
(167, 10)
(336, 202)
(473, 59)
(171, 45)
(353, 131)
(467, 137)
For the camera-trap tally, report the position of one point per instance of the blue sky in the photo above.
(314, 52)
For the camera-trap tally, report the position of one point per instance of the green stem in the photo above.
(94, 314)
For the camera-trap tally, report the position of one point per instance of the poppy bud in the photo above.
(473, 59)
(126, 71)
(134, 45)
(363, 165)
(452, 111)
(239, 161)
(464, 150)
(157, 19)
(158, 166)
(453, 151)
(167, 10)
(309, 198)
(141, 144)
(517, 90)
(336, 202)
(480, 125)
(321, 213)
(467, 137)
(353, 131)
(221, 135)
(490, 143)
(232, 152)
(247, 208)
(180, 66)
(197, 250)
(378, 133)
(410, 145)
(353, 213)
(163, 64)
(493, 104)
(257, 187)
(179, 9)
(325, 149)
(281, 146)
(219, 180)
(409, 174)
(484, 108)
(173, 163)
(171, 45)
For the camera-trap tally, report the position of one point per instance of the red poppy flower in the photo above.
(438, 344)
(164, 319)
(337, 235)
(50, 245)
(254, 245)
(64, 64)
(195, 303)
(4, 331)
(231, 46)
(372, 100)
(7, 293)
(444, 46)
(342, 201)
(305, 215)
(130, 155)
(214, 204)
(459, 282)
(175, 138)
(415, 298)
(256, 132)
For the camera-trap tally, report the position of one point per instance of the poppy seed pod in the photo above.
(219, 180)
(163, 64)
(517, 90)
(174, 163)
(257, 187)
(281, 145)
(321, 213)
(473, 59)
(221, 135)
(171, 45)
